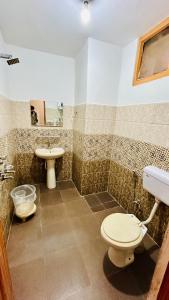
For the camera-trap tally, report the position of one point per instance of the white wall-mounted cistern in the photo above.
(125, 232)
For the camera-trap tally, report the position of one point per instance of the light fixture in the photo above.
(85, 13)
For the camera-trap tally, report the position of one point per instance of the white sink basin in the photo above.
(50, 155)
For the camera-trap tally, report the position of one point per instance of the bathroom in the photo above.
(82, 116)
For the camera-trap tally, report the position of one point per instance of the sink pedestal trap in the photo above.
(50, 155)
(51, 176)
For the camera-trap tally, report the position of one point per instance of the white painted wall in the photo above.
(81, 75)
(104, 64)
(98, 78)
(97, 73)
(3, 68)
(150, 92)
(41, 75)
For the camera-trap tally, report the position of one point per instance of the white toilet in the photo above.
(125, 232)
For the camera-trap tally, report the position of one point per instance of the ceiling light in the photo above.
(85, 14)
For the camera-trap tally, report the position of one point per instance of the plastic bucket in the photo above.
(24, 197)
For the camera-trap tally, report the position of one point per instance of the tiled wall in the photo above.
(93, 125)
(110, 147)
(31, 169)
(7, 148)
(18, 141)
(99, 119)
(147, 122)
(140, 138)
(91, 162)
(128, 159)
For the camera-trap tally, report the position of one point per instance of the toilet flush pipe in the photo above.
(153, 211)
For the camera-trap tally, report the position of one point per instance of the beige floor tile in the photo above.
(77, 208)
(58, 236)
(51, 198)
(65, 273)
(28, 231)
(29, 281)
(97, 263)
(20, 252)
(63, 185)
(93, 200)
(59, 254)
(104, 197)
(101, 215)
(85, 228)
(70, 194)
(104, 290)
(52, 214)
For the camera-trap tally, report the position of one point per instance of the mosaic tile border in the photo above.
(92, 147)
(135, 155)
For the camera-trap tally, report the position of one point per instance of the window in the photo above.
(152, 61)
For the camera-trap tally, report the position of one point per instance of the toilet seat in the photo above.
(123, 233)
(122, 228)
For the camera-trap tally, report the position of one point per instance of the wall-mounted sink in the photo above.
(50, 155)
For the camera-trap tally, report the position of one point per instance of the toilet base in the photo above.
(121, 258)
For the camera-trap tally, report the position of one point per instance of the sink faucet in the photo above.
(49, 143)
(5, 177)
(6, 169)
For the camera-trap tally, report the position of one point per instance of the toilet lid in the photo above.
(121, 228)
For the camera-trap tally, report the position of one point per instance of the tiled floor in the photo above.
(100, 201)
(58, 254)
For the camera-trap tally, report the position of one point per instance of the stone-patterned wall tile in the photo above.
(94, 188)
(77, 171)
(121, 184)
(135, 155)
(129, 157)
(97, 147)
(78, 141)
(7, 148)
(32, 169)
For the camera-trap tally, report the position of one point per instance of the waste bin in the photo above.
(24, 197)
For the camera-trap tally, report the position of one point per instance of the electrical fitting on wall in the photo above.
(9, 59)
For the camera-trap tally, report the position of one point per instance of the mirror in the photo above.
(46, 113)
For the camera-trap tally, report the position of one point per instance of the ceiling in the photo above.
(54, 25)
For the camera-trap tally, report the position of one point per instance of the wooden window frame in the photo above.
(141, 42)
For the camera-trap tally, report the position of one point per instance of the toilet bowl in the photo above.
(123, 233)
